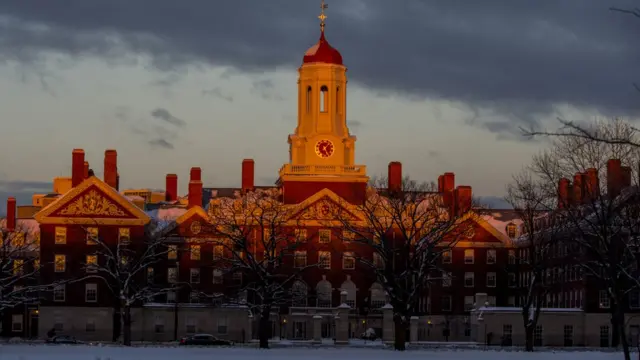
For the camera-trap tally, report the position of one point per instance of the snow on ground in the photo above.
(44, 352)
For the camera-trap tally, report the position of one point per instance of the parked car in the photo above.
(204, 340)
(369, 334)
(63, 339)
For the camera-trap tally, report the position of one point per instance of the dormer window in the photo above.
(512, 230)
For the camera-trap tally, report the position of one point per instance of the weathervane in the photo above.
(322, 16)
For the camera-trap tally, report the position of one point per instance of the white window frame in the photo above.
(469, 256)
(492, 254)
(324, 260)
(60, 289)
(494, 276)
(348, 256)
(469, 275)
(88, 288)
(17, 319)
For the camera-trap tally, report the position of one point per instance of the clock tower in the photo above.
(321, 150)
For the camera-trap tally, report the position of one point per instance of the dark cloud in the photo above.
(162, 143)
(165, 115)
(218, 93)
(517, 58)
(266, 89)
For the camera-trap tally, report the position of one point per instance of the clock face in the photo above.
(324, 148)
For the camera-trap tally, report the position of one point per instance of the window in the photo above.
(468, 303)
(491, 279)
(378, 262)
(301, 235)
(324, 260)
(378, 296)
(512, 280)
(491, 256)
(91, 292)
(18, 267)
(338, 100)
(150, 275)
(172, 275)
(634, 299)
(61, 235)
(92, 263)
(469, 278)
(159, 325)
(445, 303)
(124, 236)
(348, 235)
(18, 240)
(92, 235)
(218, 252)
(90, 325)
(222, 325)
(324, 236)
(299, 294)
(348, 261)
(323, 98)
(194, 276)
(511, 301)
(308, 100)
(603, 299)
(237, 277)
(59, 293)
(217, 276)
(512, 257)
(446, 279)
(60, 263)
(323, 291)
(512, 230)
(468, 256)
(16, 323)
(300, 259)
(195, 252)
(172, 252)
(171, 297)
(446, 257)
(191, 325)
(507, 332)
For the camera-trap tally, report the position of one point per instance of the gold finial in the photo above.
(322, 16)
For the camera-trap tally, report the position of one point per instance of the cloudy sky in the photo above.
(439, 85)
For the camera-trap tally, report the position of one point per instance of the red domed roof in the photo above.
(322, 52)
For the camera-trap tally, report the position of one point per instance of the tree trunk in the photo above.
(116, 323)
(528, 332)
(619, 323)
(264, 328)
(126, 325)
(400, 332)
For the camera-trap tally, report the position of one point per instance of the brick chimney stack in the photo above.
(578, 188)
(564, 188)
(448, 185)
(625, 180)
(394, 177)
(86, 169)
(614, 178)
(11, 214)
(171, 187)
(195, 187)
(463, 199)
(77, 167)
(248, 175)
(592, 188)
(111, 168)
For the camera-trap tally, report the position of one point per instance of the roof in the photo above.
(322, 52)
(499, 219)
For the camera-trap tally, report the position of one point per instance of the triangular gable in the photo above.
(92, 202)
(325, 205)
(196, 210)
(484, 224)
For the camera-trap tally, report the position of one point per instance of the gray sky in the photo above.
(439, 85)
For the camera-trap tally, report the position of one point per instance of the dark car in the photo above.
(63, 339)
(204, 340)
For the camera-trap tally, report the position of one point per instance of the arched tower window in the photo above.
(308, 99)
(324, 91)
(338, 100)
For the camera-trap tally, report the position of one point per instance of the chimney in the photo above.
(195, 187)
(11, 214)
(578, 188)
(111, 168)
(394, 177)
(171, 187)
(86, 169)
(592, 186)
(564, 188)
(440, 184)
(614, 178)
(248, 169)
(463, 198)
(117, 181)
(77, 167)
(625, 180)
(448, 184)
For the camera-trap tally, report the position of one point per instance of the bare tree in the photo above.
(125, 266)
(406, 230)
(258, 241)
(535, 246)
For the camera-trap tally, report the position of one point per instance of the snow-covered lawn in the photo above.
(44, 352)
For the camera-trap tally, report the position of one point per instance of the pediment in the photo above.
(473, 227)
(325, 206)
(92, 202)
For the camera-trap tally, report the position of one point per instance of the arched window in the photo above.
(299, 292)
(350, 288)
(378, 297)
(338, 100)
(323, 291)
(308, 99)
(324, 92)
